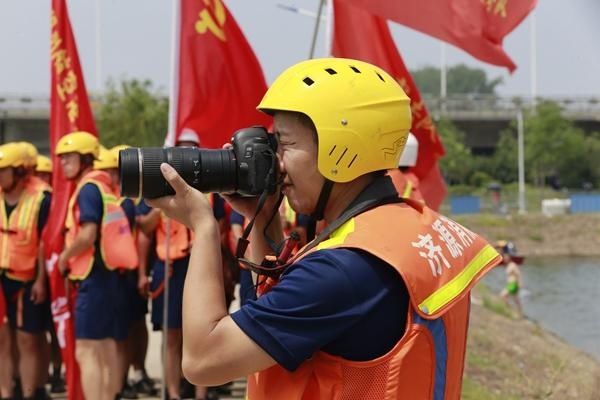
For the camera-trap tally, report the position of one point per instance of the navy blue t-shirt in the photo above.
(129, 208)
(345, 302)
(91, 208)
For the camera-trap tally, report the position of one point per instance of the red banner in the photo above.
(360, 35)
(476, 26)
(219, 81)
(69, 111)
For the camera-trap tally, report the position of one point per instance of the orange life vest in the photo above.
(406, 184)
(180, 240)
(117, 245)
(440, 261)
(39, 183)
(19, 239)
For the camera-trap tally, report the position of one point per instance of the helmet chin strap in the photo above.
(319, 211)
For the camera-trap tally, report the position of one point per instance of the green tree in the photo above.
(132, 112)
(456, 164)
(461, 79)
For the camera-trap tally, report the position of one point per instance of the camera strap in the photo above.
(380, 192)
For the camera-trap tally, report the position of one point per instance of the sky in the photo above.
(135, 41)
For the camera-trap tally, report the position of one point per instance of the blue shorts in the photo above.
(95, 307)
(122, 301)
(21, 312)
(138, 305)
(175, 293)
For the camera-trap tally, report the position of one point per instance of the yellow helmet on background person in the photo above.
(106, 159)
(31, 154)
(78, 142)
(12, 155)
(361, 113)
(44, 164)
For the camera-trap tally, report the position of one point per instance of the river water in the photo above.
(563, 295)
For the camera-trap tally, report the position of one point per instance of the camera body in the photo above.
(248, 168)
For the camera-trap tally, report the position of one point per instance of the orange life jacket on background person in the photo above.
(440, 261)
(180, 241)
(39, 183)
(19, 239)
(117, 246)
(406, 184)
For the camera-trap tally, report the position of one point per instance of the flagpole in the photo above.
(174, 90)
(533, 58)
(316, 31)
(521, 157)
(329, 29)
(98, 50)
(443, 80)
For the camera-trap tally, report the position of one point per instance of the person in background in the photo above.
(24, 207)
(98, 244)
(405, 181)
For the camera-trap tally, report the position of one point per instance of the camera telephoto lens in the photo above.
(205, 170)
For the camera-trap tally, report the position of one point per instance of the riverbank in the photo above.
(509, 358)
(538, 235)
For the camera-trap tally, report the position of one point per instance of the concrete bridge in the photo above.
(482, 118)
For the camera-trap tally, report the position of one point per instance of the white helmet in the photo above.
(189, 135)
(409, 155)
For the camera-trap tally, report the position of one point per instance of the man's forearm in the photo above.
(203, 294)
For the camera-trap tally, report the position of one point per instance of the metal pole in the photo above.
(316, 31)
(165, 325)
(443, 80)
(98, 50)
(329, 30)
(521, 156)
(533, 59)
(174, 90)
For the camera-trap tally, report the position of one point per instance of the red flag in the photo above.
(219, 81)
(360, 35)
(69, 111)
(476, 26)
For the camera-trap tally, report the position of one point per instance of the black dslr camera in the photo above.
(249, 168)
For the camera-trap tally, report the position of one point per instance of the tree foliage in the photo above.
(460, 79)
(134, 113)
(555, 151)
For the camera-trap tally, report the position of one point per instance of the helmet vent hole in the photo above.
(380, 77)
(308, 81)
(355, 69)
(332, 149)
(331, 71)
(352, 161)
(341, 156)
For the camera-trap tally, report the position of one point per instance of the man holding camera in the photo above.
(377, 305)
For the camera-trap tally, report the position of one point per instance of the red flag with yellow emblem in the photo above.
(218, 81)
(476, 26)
(70, 111)
(360, 35)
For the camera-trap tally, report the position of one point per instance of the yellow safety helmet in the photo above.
(78, 142)
(30, 152)
(361, 113)
(44, 164)
(12, 155)
(106, 159)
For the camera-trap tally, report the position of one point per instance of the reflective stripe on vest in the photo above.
(439, 261)
(407, 190)
(117, 246)
(19, 239)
